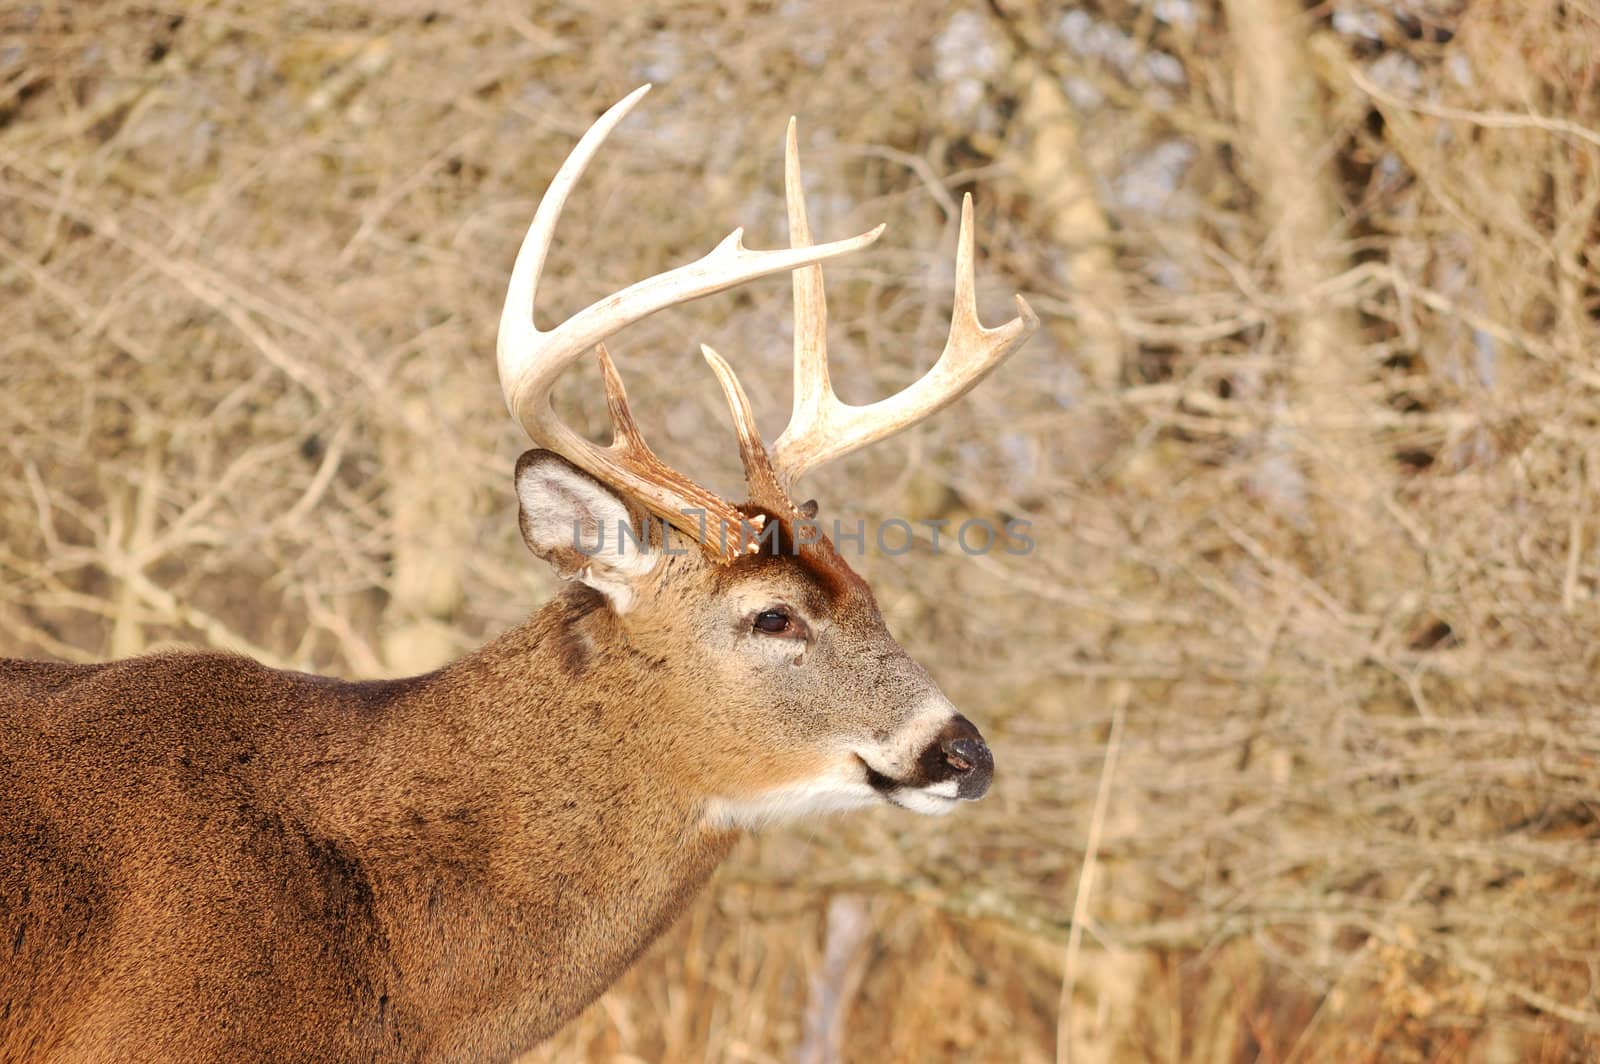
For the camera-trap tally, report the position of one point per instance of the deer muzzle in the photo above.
(957, 755)
(950, 764)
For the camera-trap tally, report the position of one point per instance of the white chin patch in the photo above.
(844, 787)
(935, 800)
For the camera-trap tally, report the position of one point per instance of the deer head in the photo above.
(761, 652)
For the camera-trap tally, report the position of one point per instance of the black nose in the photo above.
(966, 758)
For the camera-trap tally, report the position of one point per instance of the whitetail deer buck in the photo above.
(204, 859)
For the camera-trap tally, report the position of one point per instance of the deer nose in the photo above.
(966, 758)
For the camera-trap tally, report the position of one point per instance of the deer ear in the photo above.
(581, 527)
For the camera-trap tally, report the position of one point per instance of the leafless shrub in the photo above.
(1316, 497)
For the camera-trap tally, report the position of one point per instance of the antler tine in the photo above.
(810, 304)
(823, 428)
(530, 359)
(759, 476)
(629, 450)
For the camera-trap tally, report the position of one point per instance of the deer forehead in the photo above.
(822, 587)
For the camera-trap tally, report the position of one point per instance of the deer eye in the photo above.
(775, 622)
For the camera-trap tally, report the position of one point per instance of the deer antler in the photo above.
(821, 427)
(531, 359)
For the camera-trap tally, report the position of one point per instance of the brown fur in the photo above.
(205, 859)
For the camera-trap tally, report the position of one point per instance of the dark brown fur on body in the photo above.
(202, 859)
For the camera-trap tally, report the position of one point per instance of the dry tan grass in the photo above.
(1317, 507)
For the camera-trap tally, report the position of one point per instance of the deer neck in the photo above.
(521, 826)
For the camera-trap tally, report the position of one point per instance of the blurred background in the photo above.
(1294, 703)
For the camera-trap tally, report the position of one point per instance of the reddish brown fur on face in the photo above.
(761, 725)
(816, 556)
